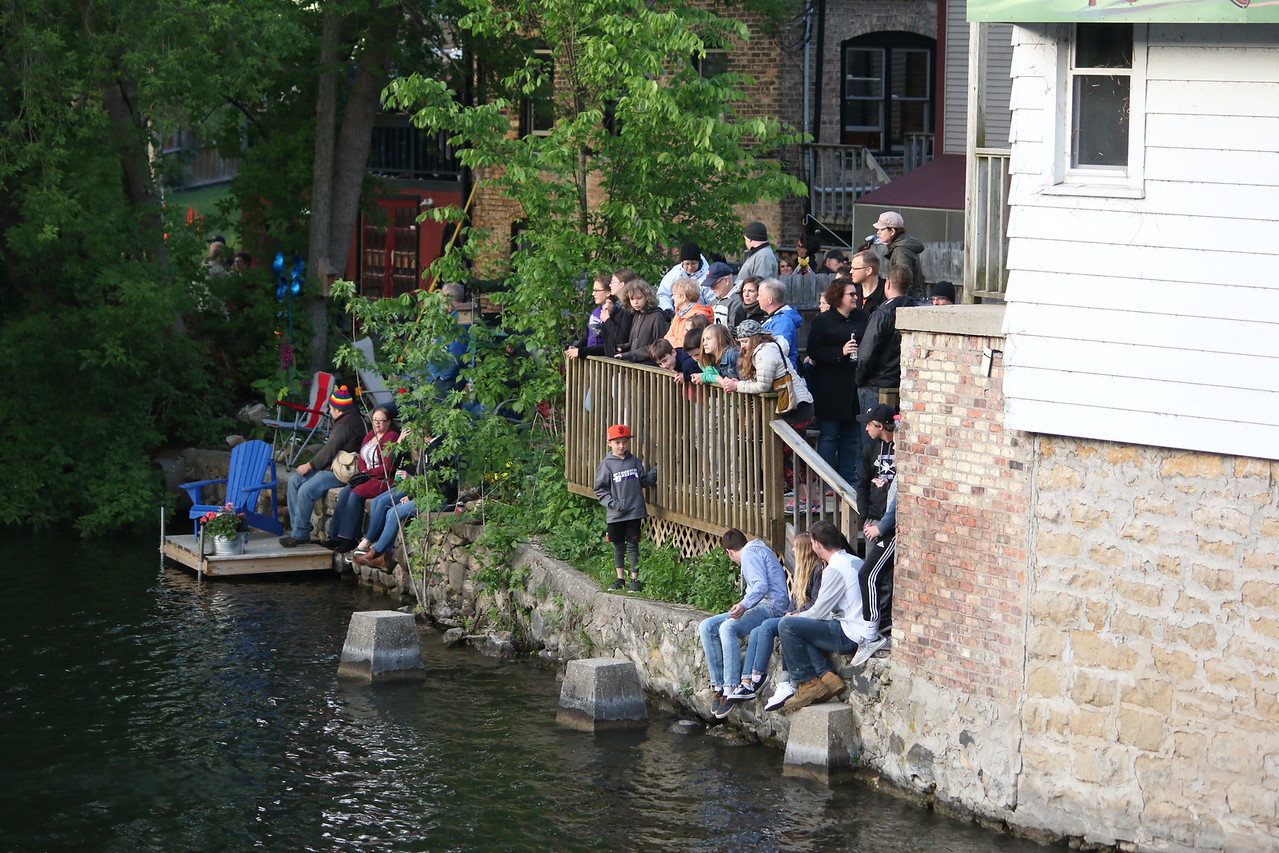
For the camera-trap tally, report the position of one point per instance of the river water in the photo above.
(146, 710)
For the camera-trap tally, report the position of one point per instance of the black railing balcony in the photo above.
(402, 151)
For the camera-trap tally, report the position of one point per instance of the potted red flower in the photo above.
(226, 529)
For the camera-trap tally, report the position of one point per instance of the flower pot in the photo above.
(226, 546)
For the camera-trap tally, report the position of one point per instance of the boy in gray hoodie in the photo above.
(620, 481)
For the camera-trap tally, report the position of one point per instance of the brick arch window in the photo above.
(888, 89)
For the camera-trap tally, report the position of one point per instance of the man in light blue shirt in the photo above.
(766, 596)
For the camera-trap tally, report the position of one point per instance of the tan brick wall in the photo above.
(964, 502)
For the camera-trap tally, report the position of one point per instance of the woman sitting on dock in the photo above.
(372, 479)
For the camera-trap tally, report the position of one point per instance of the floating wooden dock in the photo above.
(263, 555)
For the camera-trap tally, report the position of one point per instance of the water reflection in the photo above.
(149, 711)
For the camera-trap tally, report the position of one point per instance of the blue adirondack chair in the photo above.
(252, 470)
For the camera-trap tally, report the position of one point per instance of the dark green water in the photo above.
(143, 710)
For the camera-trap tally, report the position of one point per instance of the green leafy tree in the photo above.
(643, 151)
(639, 151)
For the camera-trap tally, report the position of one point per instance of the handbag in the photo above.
(345, 464)
(783, 387)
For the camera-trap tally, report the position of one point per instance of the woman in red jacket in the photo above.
(376, 470)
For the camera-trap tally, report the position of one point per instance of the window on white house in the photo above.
(1099, 124)
(1101, 84)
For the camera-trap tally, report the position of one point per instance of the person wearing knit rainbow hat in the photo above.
(311, 480)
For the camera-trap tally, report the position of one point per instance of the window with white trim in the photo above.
(537, 109)
(1102, 110)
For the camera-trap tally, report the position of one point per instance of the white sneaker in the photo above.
(868, 648)
(784, 691)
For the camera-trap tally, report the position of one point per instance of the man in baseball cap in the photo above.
(725, 300)
(902, 250)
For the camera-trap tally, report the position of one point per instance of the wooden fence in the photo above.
(718, 455)
(719, 462)
(986, 225)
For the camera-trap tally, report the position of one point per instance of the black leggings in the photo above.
(625, 538)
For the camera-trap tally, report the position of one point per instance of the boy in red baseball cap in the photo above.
(620, 481)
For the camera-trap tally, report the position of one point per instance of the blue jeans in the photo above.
(722, 642)
(347, 515)
(839, 445)
(385, 514)
(377, 512)
(303, 493)
(805, 643)
(759, 649)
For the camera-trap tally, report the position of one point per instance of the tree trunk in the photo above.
(356, 136)
(317, 304)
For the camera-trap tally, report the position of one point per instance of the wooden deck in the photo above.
(264, 555)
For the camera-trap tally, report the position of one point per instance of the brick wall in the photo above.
(964, 507)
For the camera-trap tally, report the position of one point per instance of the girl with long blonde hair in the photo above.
(804, 583)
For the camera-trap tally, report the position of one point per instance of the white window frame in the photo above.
(1101, 181)
(530, 103)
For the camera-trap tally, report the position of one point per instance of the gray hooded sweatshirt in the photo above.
(620, 484)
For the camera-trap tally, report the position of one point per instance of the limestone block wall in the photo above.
(1151, 708)
(1087, 633)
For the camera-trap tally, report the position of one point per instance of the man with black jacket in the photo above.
(879, 356)
(312, 479)
(864, 271)
(879, 466)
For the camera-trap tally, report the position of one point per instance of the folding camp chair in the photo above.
(311, 420)
(373, 390)
(252, 469)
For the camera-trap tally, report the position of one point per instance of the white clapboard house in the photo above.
(1143, 221)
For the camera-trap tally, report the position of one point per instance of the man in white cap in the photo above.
(725, 301)
(692, 264)
(759, 258)
(902, 249)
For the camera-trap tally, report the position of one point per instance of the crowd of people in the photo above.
(708, 323)
(711, 324)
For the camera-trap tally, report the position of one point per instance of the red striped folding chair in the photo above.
(309, 421)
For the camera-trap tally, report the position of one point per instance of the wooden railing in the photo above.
(719, 462)
(986, 224)
(813, 480)
(917, 150)
(837, 176)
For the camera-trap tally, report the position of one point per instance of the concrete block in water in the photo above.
(601, 694)
(823, 743)
(382, 645)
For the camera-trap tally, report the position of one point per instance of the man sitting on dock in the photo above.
(312, 479)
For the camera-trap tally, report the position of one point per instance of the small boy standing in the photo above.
(619, 482)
